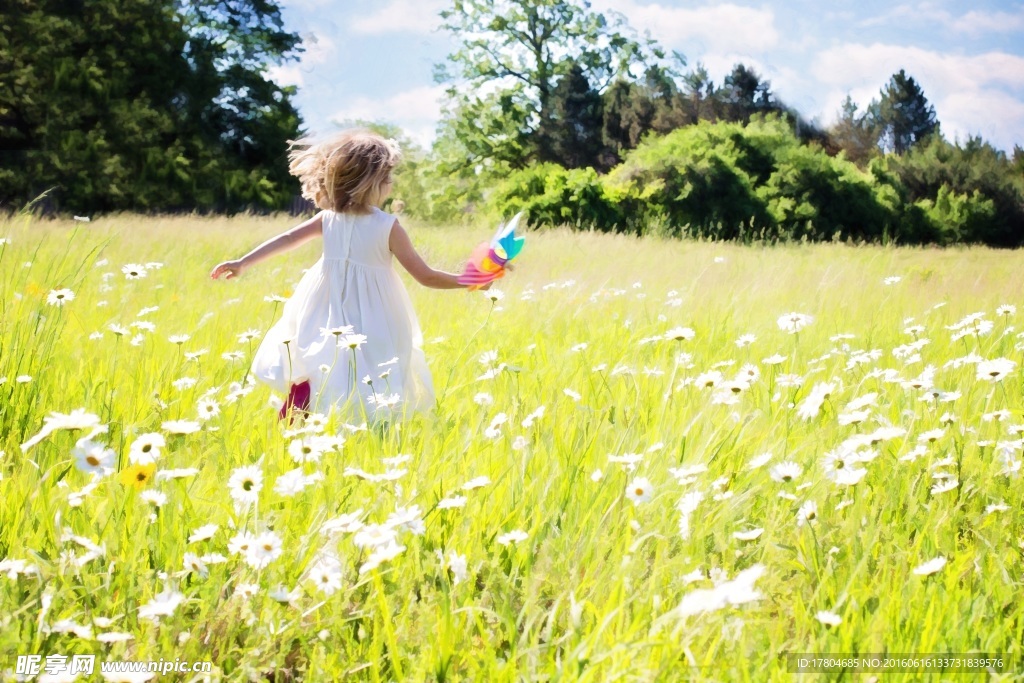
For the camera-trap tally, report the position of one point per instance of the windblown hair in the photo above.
(346, 172)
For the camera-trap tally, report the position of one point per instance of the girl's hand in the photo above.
(229, 268)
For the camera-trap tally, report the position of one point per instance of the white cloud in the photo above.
(415, 111)
(975, 22)
(317, 49)
(719, 28)
(401, 16)
(970, 93)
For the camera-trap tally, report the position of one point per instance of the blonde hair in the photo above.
(346, 172)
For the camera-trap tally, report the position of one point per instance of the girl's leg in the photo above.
(298, 399)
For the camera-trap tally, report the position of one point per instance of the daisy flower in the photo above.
(829, 618)
(93, 458)
(514, 536)
(930, 567)
(208, 408)
(134, 271)
(245, 484)
(639, 490)
(786, 472)
(59, 297)
(146, 448)
(264, 549)
(794, 322)
(162, 605)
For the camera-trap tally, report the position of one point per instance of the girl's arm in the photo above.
(291, 239)
(401, 247)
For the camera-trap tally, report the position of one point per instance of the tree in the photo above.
(144, 104)
(702, 98)
(745, 94)
(904, 116)
(854, 134)
(532, 44)
(572, 137)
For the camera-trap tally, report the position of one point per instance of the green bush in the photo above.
(959, 217)
(816, 196)
(552, 195)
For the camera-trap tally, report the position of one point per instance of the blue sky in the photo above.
(374, 59)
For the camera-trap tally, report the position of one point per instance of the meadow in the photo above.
(650, 460)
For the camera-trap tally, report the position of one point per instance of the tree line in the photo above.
(567, 114)
(162, 105)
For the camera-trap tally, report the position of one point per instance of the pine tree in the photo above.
(904, 116)
(572, 135)
(853, 133)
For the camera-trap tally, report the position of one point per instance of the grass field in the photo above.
(633, 472)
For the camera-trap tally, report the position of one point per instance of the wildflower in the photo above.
(829, 618)
(680, 334)
(639, 490)
(59, 297)
(208, 408)
(203, 533)
(751, 535)
(457, 565)
(1006, 309)
(995, 370)
(192, 563)
(494, 295)
(811, 406)
(241, 542)
(786, 472)
(475, 483)
(451, 502)
(307, 449)
(154, 498)
(264, 549)
(146, 448)
(245, 484)
(514, 536)
(134, 271)
(380, 555)
(794, 322)
(535, 415)
(76, 419)
(180, 427)
(891, 280)
(758, 461)
(353, 341)
(326, 575)
(930, 567)
(738, 591)
(373, 535)
(93, 458)
(293, 482)
(807, 514)
(162, 605)
(137, 476)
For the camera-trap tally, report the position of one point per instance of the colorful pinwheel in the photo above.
(487, 262)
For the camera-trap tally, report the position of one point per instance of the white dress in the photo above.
(353, 284)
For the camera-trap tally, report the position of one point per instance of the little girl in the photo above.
(350, 317)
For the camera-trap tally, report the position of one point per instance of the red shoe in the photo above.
(298, 399)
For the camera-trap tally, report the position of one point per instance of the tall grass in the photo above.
(593, 591)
